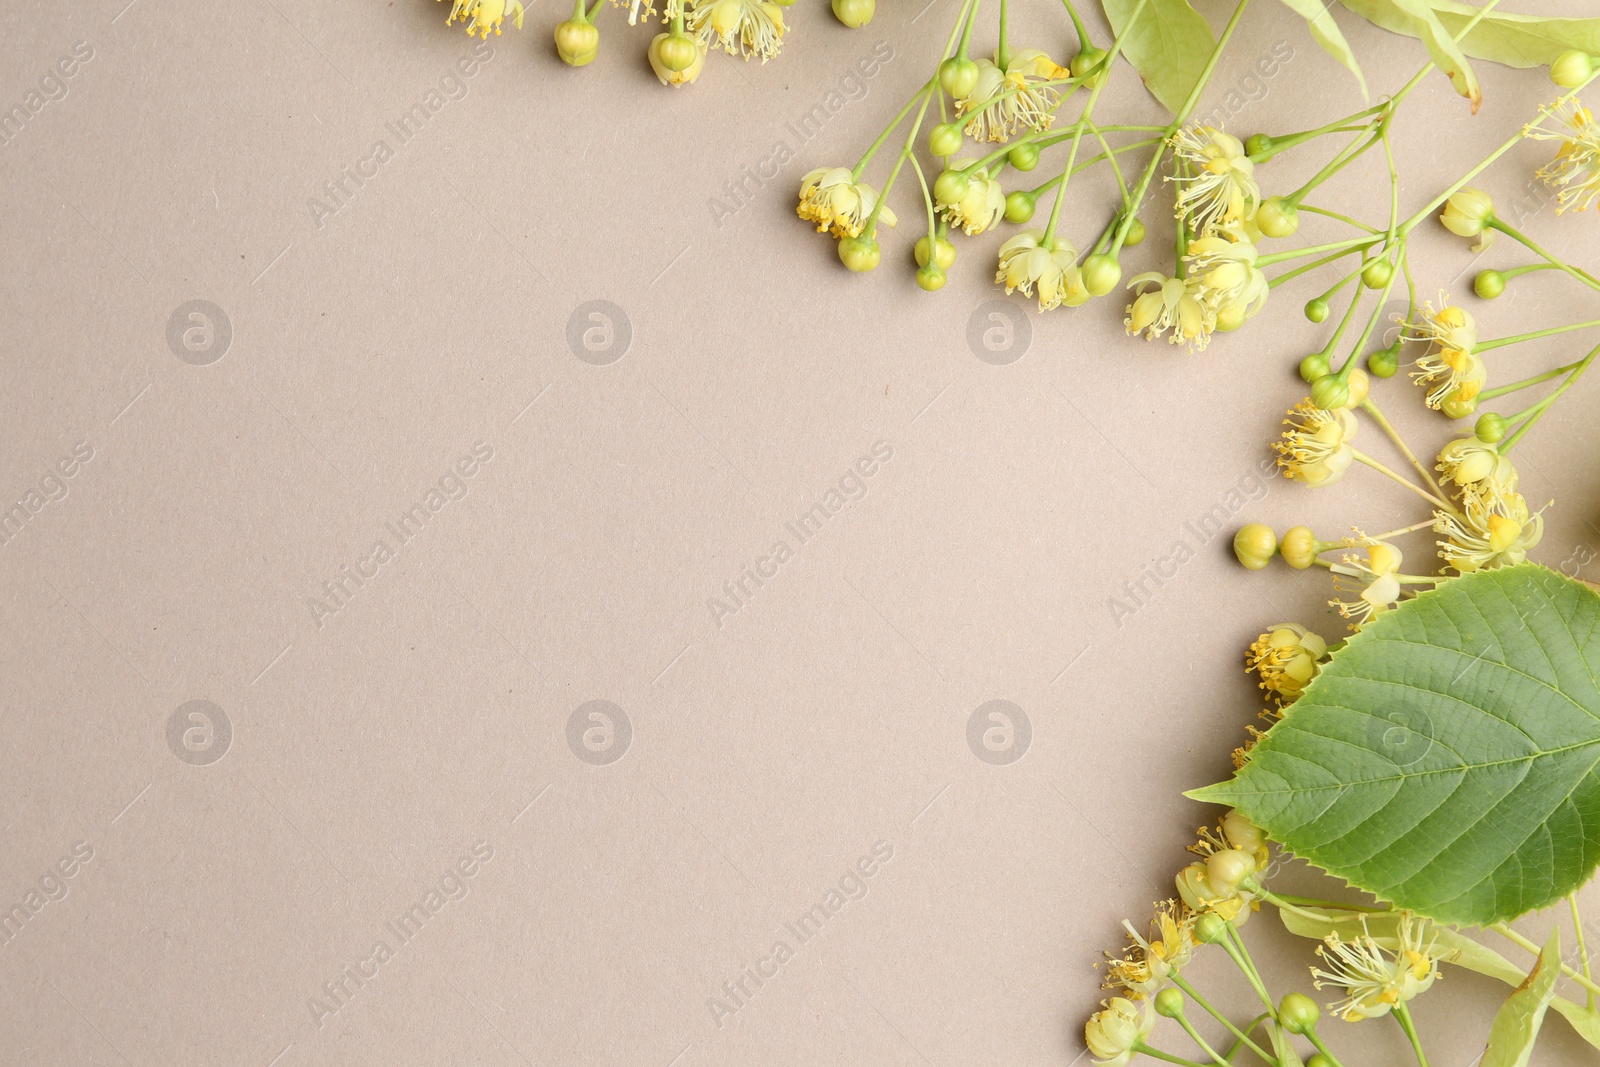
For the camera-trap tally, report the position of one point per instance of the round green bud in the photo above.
(1259, 146)
(945, 140)
(1277, 217)
(930, 277)
(1169, 1003)
(1298, 1013)
(1490, 428)
(944, 253)
(1255, 545)
(1571, 69)
(1384, 362)
(1456, 408)
(1135, 234)
(859, 253)
(1228, 868)
(577, 42)
(950, 186)
(854, 13)
(1317, 309)
(1319, 1060)
(1377, 274)
(1231, 316)
(1298, 547)
(1086, 66)
(1210, 928)
(1024, 157)
(1313, 367)
(958, 76)
(1489, 284)
(1019, 207)
(1329, 393)
(676, 52)
(1101, 273)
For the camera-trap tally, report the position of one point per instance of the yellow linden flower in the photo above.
(485, 16)
(1025, 263)
(740, 27)
(1449, 327)
(981, 207)
(1148, 965)
(1286, 658)
(1216, 176)
(1380, 582)
(1004, 102)
(668, 76)
(1230, 283)
(1316, 448)
(1373, 979)
(1469, 461)
(641, 10)
(1174, 304)
(1575, 172)
(834, 200)
(1114, 1032)
(1450, 370)
(1495, 530)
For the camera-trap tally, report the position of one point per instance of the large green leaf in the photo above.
(1325, 31)
(1516, 1024)
(1447, 759)
(1515, 40)
(1168, 45)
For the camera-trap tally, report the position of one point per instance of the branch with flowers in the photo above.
(1444, 759)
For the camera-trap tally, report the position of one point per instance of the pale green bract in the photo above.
(1325, 31)
(1501, 37)
(1516, 1024)
(1168, 45)
(1447, 759)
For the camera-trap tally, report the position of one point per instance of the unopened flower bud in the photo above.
(577, 42)
(1377, 274)
(1231, 316)
(859, 253)
(1194, 887)
(1084, 66)
(1329, 393)
(1228, 869)
(1255, 545)
(958, 76)
(1259, 147)
(1169, 1003)
(676, 58)
(1319, 1060)
(854, 13)
(1299, 547)
(1490, 428)
(1359, 385)
(1489, 284)
(1210, 928)
(930, 277)
(949, 187)
(1313, 367)
(944, 253)
(1571, 69)
(1468, 212)
(1298, 1013)
(1019, 206)
(945, 139)
(1101, 273)
(1113, 1033)
(1277, 217)
(1135, 234)
(1241, 833)
(1384, 362)
(1024, 157)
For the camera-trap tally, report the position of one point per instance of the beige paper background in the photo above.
(428, 715)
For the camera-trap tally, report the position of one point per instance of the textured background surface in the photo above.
(372, 745)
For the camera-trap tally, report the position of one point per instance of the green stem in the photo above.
(1484, 346)
(1545, 404)
(1239, 1042)
(1370, 406)
(1002, 54)
(1583, 948)
(1362, 457)
(1342, 218)
(1321, 1046)
(1146, 1050)
(1312, 250)
(1077, 25)
(1194, 1035)
(1511, 935)
(1240, 1036)
(1490, 394)
(1511, 231)
(1403, 1015)
(861, 167)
